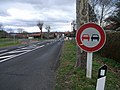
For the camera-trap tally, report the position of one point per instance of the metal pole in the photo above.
(89, 65)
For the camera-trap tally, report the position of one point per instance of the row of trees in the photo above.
(21, 30)
(99, 10)
(3, 34)
(40, 25)
(104, 11)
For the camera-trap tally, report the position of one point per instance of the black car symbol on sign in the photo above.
(95, 37)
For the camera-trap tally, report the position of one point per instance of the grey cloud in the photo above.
(2, 13)
(41, 6)
(44, 3)
(21, 23)
(3, 10)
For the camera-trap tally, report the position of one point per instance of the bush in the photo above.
(111, 48)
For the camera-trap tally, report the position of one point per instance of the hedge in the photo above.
(111, 48)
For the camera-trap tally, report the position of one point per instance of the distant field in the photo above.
(4, 42)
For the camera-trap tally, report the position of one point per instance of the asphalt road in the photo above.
(30, 67)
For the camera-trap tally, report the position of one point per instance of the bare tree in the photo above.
(1, 26)
(92, 15)
(48, 30)
(73, 24)
(106, 6)
(20, 30)
(93, 3)
(102, 8)
(25, 33)
(40, 25)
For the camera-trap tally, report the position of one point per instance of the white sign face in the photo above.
(90, 37)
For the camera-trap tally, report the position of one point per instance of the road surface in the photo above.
(29, 67)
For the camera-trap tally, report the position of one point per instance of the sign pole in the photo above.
(89, 65)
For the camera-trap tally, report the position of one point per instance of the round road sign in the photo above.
(90, 37)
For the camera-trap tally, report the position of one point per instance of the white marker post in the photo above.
(89, 65)
(101, 78)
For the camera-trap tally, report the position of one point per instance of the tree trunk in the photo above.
(101, 17)
(82, 17)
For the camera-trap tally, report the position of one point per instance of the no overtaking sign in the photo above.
(90, 37)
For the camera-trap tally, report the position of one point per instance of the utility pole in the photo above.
(82, 17)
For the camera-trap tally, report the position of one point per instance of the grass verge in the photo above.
(70, 78)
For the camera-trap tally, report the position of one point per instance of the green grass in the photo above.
(70, 78)
(5, 42)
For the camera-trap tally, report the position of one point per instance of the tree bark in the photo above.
(101, 18)
(82, 17)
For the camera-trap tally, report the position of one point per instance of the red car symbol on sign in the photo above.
(85, 37)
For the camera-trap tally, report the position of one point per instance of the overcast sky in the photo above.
(26, 13)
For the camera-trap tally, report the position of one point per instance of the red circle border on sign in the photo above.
(100, 30)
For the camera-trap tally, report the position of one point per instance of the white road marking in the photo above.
(42, 46)
(14, 52)
(3, 53)
(18, 51)
(27, 48)
(23, 48)
(20, 54)
(7, 56)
